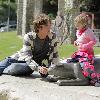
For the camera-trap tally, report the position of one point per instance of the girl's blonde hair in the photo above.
(81, 19)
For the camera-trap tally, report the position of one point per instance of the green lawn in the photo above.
(10, 43)
(67, 50)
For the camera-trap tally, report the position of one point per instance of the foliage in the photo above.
(5, 7)
(89, 5)
(3, 12)
(51, 1)
(50, 7)
(51, 16)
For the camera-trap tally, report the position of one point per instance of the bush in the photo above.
(51, 16)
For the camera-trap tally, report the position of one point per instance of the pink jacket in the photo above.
(86, 41)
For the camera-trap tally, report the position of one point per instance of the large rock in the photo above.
(35, 88)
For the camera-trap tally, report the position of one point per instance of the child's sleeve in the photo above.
(92, 42)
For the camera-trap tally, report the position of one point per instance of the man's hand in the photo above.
(43, 70)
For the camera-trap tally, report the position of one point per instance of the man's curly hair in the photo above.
(42, 19)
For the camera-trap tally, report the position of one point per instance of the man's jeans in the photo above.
(13, 67)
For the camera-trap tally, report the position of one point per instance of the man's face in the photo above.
(45, 30)
(47, 27)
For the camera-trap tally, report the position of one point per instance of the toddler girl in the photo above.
(85, 53)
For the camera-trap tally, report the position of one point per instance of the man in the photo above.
(38, 45)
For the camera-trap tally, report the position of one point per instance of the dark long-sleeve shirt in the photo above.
(26, 53)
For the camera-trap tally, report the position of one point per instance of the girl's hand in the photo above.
(81, 46)
(75, 43)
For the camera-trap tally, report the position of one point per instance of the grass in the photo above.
(68, 49)
(10, 43)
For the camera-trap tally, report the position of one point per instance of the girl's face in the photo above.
(44, 30)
